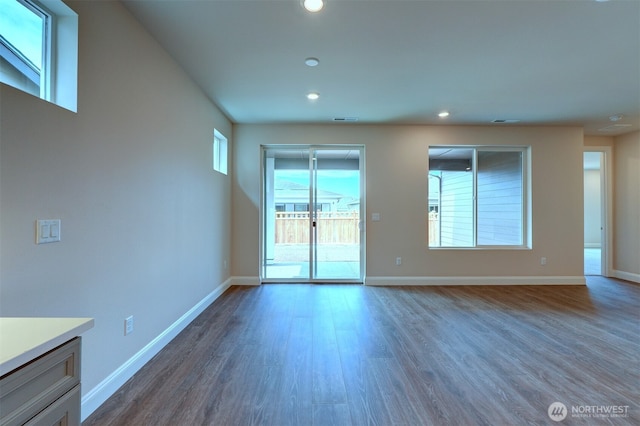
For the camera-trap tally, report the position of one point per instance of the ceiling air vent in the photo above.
(507, 121)
(614, 127)
(345, 119)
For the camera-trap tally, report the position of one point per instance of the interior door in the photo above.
(312, 208)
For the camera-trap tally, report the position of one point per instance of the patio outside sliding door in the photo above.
(311, 214)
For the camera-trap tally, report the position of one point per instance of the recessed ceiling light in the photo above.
(443, 114)
(311, 62)
(313, 96)
(616, 117)
(313, 5)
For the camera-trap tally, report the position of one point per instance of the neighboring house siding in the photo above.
(499, 198)
(456, 215)
(13, 77)
(499, 202)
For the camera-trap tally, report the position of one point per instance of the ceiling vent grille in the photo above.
(614, 127)
(505, 121)
(345, 119)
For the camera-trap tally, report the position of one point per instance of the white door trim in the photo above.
(606, 205)
(262, 227)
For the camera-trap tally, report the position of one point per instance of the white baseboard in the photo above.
(628, 276)
(99, 394)
(432, 281)
(245, 281)
(396, 281)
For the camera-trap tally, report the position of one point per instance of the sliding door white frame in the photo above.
(266, 201)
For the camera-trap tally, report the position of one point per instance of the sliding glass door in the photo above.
(311, 214)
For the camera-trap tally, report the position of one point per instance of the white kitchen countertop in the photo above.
(23, 339)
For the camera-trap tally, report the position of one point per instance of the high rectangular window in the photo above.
(39, 49)
(477, 197)
(24, 44)
(219, 152)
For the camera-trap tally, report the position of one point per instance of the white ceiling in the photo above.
(554, 62)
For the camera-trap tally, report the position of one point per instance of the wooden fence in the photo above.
(332, 227)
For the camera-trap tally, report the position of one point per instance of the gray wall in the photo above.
(627, 205)
(145, 219)
(396, 185)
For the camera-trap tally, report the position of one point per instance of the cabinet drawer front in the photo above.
(64, 412)
(28, 390)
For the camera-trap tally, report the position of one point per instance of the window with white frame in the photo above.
(39, 49)
(477, 197)
(219, 152)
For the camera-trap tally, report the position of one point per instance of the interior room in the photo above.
(139, 191)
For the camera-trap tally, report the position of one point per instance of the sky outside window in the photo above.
(23, 29)
(345, 182)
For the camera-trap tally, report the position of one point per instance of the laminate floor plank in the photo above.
(368, 323)
(236, 385)
(365, 400)
(299, 354)
(331, 415)
(293, 402)
(410, 348)
(187, 400)
(328, 382)
(326, 367)
(398, 394)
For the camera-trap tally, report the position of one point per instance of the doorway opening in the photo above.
(312, 205)
(596, 212)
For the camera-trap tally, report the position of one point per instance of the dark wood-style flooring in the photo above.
(355, 355)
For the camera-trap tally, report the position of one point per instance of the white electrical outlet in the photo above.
(398, 261)
(128, 325)
(543, 260)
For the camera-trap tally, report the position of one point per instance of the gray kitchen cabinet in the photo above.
(44, 391)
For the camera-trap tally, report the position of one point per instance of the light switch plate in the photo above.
(47, 231)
